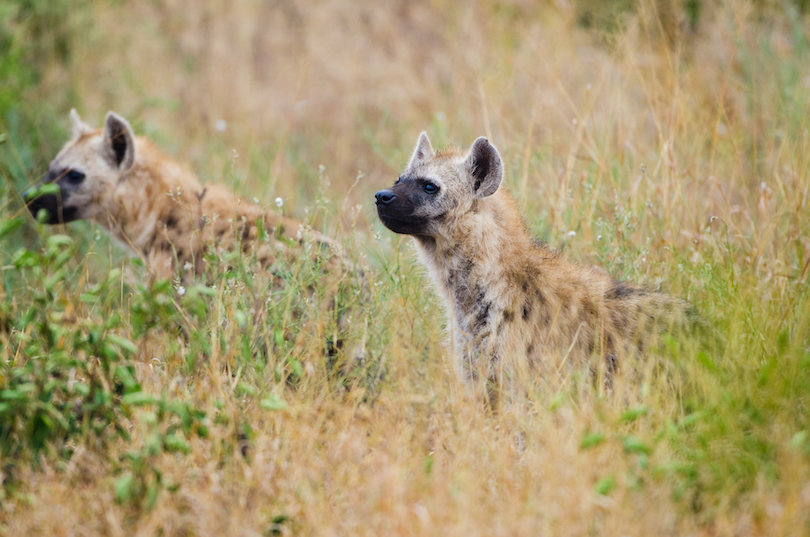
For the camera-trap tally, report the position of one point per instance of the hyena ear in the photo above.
(423, 150)
(485, 167)
(118, 145)
(77, 126)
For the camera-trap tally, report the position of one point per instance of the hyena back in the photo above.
(516, 307)
(157, 207)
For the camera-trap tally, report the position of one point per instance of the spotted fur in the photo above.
(157, 207)
(515, 306)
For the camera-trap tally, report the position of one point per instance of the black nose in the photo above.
(385, 197)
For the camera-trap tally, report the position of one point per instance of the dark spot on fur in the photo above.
(483, 313)
(245, 234)
(540, 297)
(181, 253)
(525, 287)
(527, 310)
(508, 316)
(589, 307)
(621, 290)
(171, 221)
(611, 363)
(221, 232)
(530, 348)
(165, 246)
(619, 321)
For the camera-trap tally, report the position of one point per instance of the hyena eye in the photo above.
(75, 177)
(399, 180)
(430, 188)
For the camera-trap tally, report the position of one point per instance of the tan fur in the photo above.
(160, 210)
(516, 307)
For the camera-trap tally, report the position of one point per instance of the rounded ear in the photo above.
(118, 145)
(422, 151)
(485, 168)
(77, 126)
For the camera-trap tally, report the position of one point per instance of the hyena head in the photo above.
(438, 188)
(86, 172)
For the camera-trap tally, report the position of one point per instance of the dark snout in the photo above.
(385, 197)
(396, 208)
(49, 204)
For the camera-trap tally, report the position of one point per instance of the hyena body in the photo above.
(515, 306)
(155, 206)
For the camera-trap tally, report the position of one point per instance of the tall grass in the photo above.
(671, 138)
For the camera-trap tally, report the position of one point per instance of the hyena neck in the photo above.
(146, 197)
(468, 264)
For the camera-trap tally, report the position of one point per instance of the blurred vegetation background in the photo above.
(665, 140)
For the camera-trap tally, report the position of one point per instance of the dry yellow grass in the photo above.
(679, 161)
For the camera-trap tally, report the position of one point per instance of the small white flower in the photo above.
(187, 266)
(279, 203)
(572, 234)
(255, 200)
(221, 125)
(599, 237)
(181, 290)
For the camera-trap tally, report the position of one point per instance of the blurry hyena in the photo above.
(517, 309)
(160, 210)
(157, 207)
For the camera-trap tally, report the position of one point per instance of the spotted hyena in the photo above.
(515, 306)
(159, 210)
(157, 207)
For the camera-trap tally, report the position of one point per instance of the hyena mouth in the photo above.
(409, 226)
(53, 210)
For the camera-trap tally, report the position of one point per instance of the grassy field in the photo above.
(665, 141)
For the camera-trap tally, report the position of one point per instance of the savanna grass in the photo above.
(674, 154)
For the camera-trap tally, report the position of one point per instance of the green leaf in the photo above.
(152, 494)
(123, 487)
(605, 485)
(122, 342)
(139, 399)
(635, 445)
(799, 440)
(12, 394)
(57, 241)
(88, 298)
(706, 361)
(634, 413)
(10, 225)
(273, 402)
(173, 443)
(590, 440)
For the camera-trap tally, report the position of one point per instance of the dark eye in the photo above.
(398, 181)
(430, 188)
(75, 177)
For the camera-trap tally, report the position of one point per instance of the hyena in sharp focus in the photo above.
(516, 307)
(156, 207)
